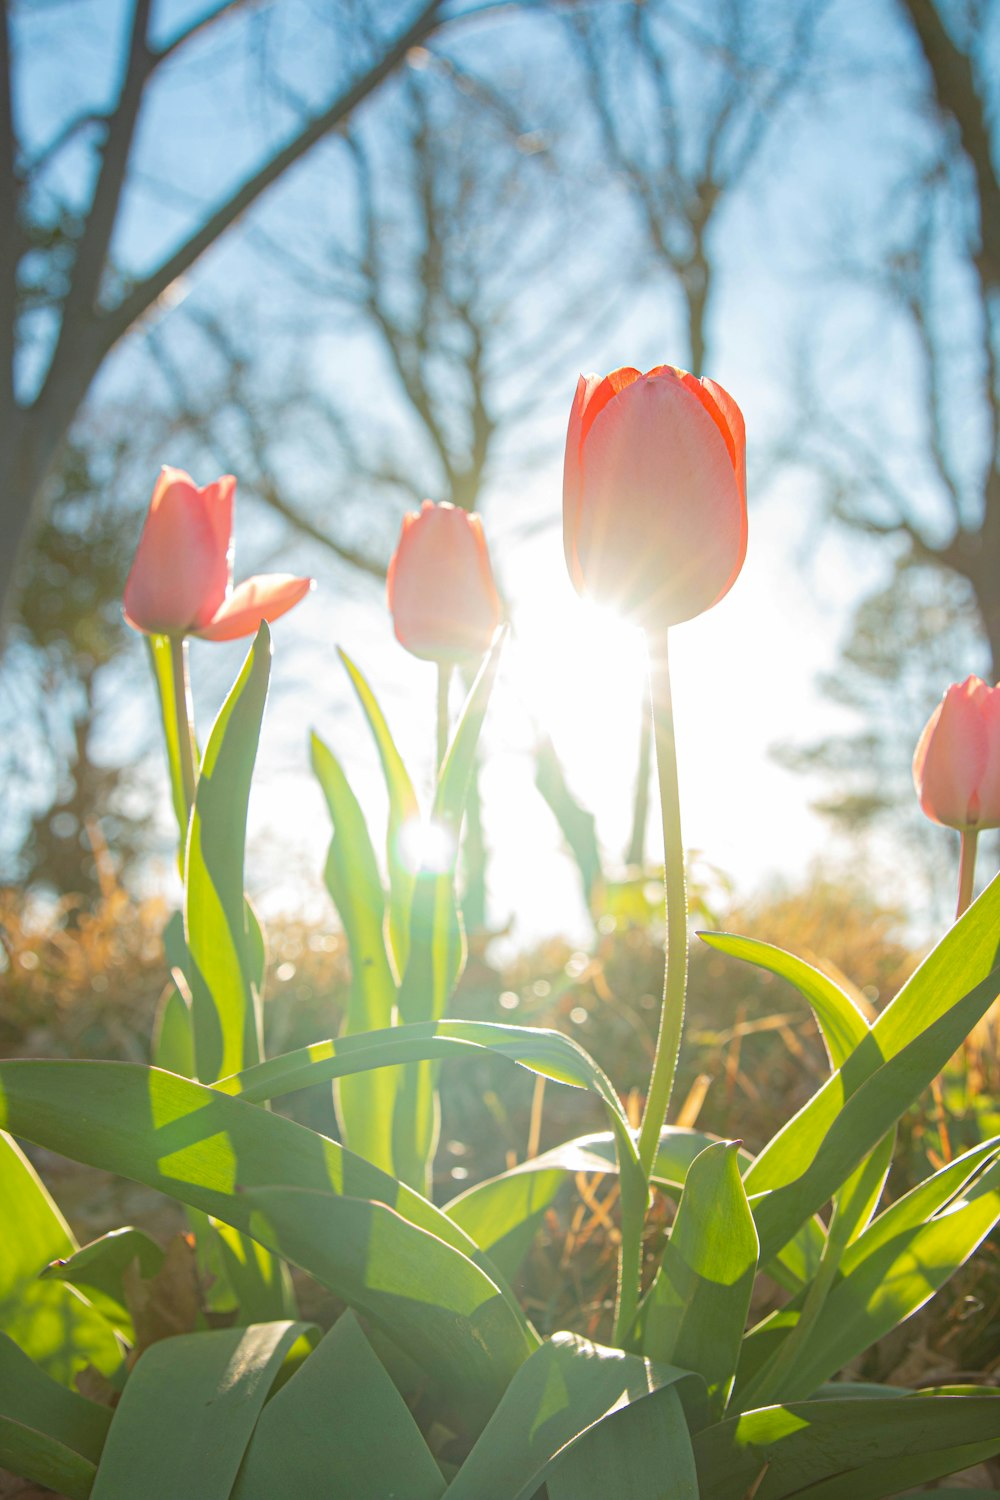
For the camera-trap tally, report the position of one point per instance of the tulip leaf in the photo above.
(547, 1053)
(56, 1326)
(843, 1028)
(851, 1449)
(814, 1154)
(209, 1150)
(188, 1412)
(577, 825)
(224, 995)
(557, 1396)
(29, 1396)
(365, 1105)
(697, 1307)
(432, 1301)
(339, 1414)
(98, 1269)
(403, 809)
(42, 1459)
(631, 1454)
(437, 940)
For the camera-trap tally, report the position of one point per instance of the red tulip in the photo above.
(181, 582)
(442, 597)
(654, 493)
(956, 768)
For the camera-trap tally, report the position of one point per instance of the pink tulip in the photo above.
(442, 597)
(181, 581)
(956, 767)
(654, 493)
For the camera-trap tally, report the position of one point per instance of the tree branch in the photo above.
(118, 320)
(195, 28)
(955, 91)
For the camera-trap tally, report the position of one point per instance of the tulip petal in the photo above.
(180, 570)
(440, 589)
(661, 528)
(217, 500)
(264, 597)
(951, 758)
(989, 788)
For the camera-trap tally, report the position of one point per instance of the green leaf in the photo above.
(44, 1460)
(207, 1149)
(697, 1307)
(339, 1414)
(188, 1412)
(260, 1282)
(430, 1299)
(365, 1105)
(842, 1025)
(865, 1447)
(577, 825)
(843, 1028)
(631, 1454)
(502, 1213)
(809, 1160)
(224, 950)
(884, 1285)
(437, 941)
(566, 1386)
(541, 1051)
(34, 1399)
(403, 809)
(52, 1322)
(98, 1270)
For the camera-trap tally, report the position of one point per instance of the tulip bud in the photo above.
(654, 493)
(181, 581)
(956, 767)
(442, 597)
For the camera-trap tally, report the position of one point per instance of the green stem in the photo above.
(668, 1043)
(443, 684)
(184, 717)
(966, 869)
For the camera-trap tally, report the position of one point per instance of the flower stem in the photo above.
(443, 684)
(183, 716)
(966, 869)
(668, 1042)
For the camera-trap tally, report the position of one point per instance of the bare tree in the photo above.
(90, 300)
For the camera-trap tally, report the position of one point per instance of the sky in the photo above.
(746, 673)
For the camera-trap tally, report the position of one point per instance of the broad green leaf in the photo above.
(403, 809)
(223, 948)
(201, 1146)
(173, 1038)
(188, 1412)
(545, 1052)
(805, 1163)
(29, 1396)
(639, 1453)
(882, 1288)
(365, 1105)
(44, 1460)
(866, 1448)
(430, 1299)
(697, 1307)
(51, 1321)
(502, 1213)
(259, 1281)
(437, 941)
(842, 1025)
(566, 1386)
(162, 662)
(97, 1270)
(843, 1028)
(339, 1414)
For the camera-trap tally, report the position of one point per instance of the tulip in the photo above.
(956, 767)
(181, 581)
(442, 597)
(654, 493)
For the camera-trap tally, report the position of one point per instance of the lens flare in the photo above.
(426, 846)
